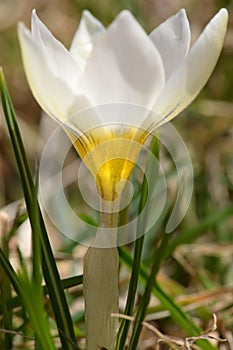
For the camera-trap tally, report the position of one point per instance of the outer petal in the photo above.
(172, 39)
(124, 66)
(190, 78)
(86, 36)
(59, 60)
(52, 93)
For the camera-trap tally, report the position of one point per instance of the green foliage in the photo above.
(40, 240)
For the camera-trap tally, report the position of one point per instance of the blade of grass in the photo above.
(141, 312)
(30, 293)
(66, 284)
(5, 286)
(18, 221)
(144, 200)
(33, 303)
(51, 275)
(159, 256)
(178, 315)
(190, 235)
(36, 243)
(6, 322)
(9, 271)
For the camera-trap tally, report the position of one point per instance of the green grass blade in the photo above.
(51, 275)
(9, 271)
(20, 218)
(141, 312)
(5, 285)
(187, 237)
(190, 235)
(178, 315)
(33, 304)
(6, 321)
(66, 284)
(150, 175)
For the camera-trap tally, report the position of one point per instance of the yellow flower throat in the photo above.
(110, 153)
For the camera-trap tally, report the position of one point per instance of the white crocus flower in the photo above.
(142, 81)
(120, 64)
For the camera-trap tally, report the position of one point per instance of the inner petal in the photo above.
(124, 66)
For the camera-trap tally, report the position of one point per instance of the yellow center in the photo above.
(110, 153)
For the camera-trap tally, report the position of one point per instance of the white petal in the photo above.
(172, 39)
(124, 66)
(59, 59)
(53, 94)
(86, 36)
(189, 79)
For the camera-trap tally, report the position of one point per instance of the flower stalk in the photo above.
(100, 285)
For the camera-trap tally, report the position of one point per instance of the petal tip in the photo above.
(182, 12)
(224, 14)
(87, 14)
(221, 16)
(182, 17)
(125, 18)
(22, 29)
(219, 23)
(223, 11)
(125, 15)
(90, 21)
(34, 16)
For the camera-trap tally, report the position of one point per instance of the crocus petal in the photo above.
(53, 94)
(190, 78)
(59, 60)
(172, 39)
(86, 36)
(124, 66)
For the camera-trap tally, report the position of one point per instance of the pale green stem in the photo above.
(100, 283)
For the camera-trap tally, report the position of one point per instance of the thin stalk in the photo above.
(141, 313)
(125, 324)
(100, 285)
(36, 244)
